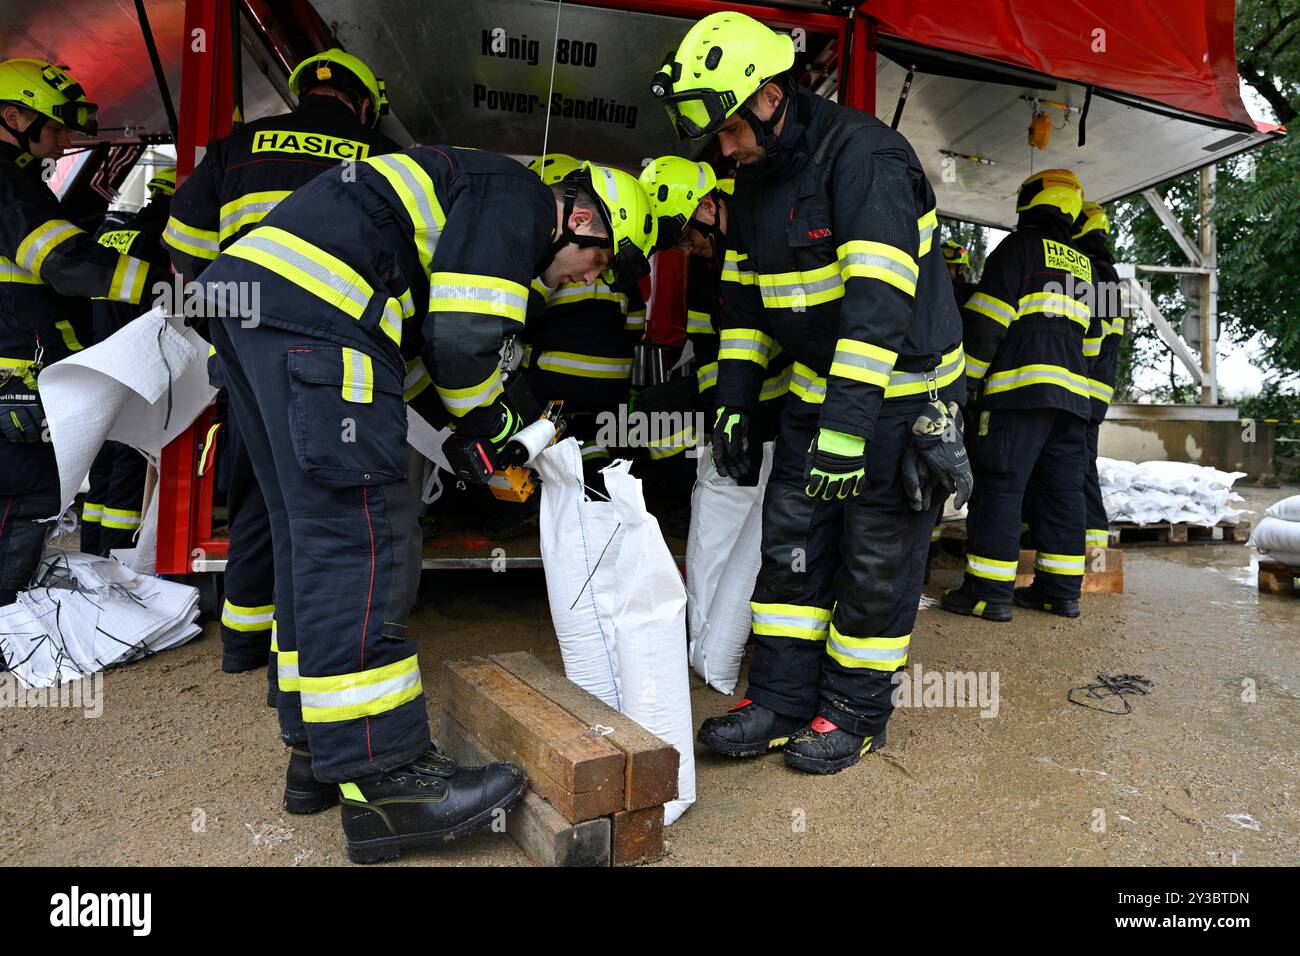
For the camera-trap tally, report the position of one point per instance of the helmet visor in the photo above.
(79, 116)
(697, 113)
(629, 267)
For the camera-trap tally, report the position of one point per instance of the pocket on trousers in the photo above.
(987, 443)
(347, 418)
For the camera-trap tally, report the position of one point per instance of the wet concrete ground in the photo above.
(184, 766)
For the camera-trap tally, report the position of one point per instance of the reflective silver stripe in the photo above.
(465, 400)
(358, 384)
(747, 340)
(182, 239)
(881, 262)
(706, 376)
(36, 250)
(364, 694)
(774, 387)
(868, 363)
(790, 620)
(995, 309)
(429, 226)
(1074, 564)
(811, 387)
(869, 653)
(552, 362)
(908, 378)
(807, 289)
(286, 669)
(257, 240)
(492, 296)
(999, 380)
(257, 210)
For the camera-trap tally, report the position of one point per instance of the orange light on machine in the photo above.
(1040, 131)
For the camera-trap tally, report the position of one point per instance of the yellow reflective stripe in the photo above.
(91, 513)
(248, 210)
(358, 377)
(286, 667)
(1092, 346)
(247, 619)
(673, 444)
(485, 295)
(698, 323)
(1071, 564)
(806, 384)
(461, 401)
(10, 271)
(925, 227)
(417, 379)
(415, 191)
(1053, 303)
(874, 653)
(936, 533)
(200, 243)
(69, 335)
(1117, 325)
(863, 362)
(1097, 537)
(120, 519)
(1100, 391)
(800, 290)
(307, 266)
(569, 292)
(635, 321)
(22, 368)
(128, 280)
(586, 366)
(862, 259)
(209, 444)
(748, 345)
(975, 368)
(43, 240)
(776, 386)
(706, 376)
(591, 451)
(736, 268)
(802, 621)
(1000, 312)
(1028, 375)
(810, 387)
(991, 568)
(362, 694)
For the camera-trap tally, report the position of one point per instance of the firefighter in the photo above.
(110, 514)
(957, 258)
(580, 350)
(1101, 349)
(829, 254)
(241, 178)
(431, 248)
(43, 258)
(1025, 360)
(691, 204)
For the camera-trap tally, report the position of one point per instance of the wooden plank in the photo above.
(651, 768)
(637, 836)
(1277, 578)
(541, 832)
(1108, 578)
(581, 775)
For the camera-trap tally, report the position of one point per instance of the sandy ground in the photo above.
(185, 767)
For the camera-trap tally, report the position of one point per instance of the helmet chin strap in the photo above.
(713, 231)
(26, 136)
(567, 236)
(765, 130)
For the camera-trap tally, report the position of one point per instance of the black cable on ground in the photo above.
(1107, 687)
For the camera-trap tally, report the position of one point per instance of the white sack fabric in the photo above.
(722, 559)
(650, 632)
(143, 386)
(1278, 535)
(1174, 491)
(1288, 509)
(89, 613)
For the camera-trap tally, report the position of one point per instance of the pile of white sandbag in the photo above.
(87, 614)
(1175, 491)
(1278, 535)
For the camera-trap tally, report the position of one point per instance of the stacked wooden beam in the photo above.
(598, 780)
(1103, 570)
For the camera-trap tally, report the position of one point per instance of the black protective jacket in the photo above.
(832, 256)
(1101, 346)
(139, 236)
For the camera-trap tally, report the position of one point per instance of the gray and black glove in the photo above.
(936, 455)
(22, 419)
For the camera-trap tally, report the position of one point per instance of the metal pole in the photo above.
(1209, 288)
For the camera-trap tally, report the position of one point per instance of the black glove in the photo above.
(22, 419)
(509, 424)
(731, 443)
(936, 455)
(837, 465)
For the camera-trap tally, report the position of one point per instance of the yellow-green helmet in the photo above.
(163, 181)
(630, 218)
(675, 187)
(1092, 218)
(719, 64)
(1058, 188)
(50, 91)
(552, 167)
(955, 254)
(344, 72)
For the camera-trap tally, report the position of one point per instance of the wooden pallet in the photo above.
(1278, 578)
(1128, 534)
(1103, 571)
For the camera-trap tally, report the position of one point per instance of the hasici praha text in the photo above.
(594, 109)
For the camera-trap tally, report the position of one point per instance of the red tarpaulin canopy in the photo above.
(1179, 53)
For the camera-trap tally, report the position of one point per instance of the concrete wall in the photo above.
(1212, 436)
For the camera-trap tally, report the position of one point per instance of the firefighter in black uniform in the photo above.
(110, 514)
(957, 258)
(43, 258)
(1025, 359)
(830, 254)
(241, 178)
(429, 249)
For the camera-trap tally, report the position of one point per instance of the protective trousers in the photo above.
(328, 449)
(110, 514)
(22, 537)
(1097, 533)
(839, 585)
(1011, 452)
(248, 612)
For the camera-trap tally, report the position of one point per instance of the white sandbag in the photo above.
(581, 585)
(722, 560)
(650, 631)
(1279, 539)
(1288, 509)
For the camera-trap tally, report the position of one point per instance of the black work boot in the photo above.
(747, 730)
(822, 747)
(303, 793)
(428, 802)
(959, 602)
(1035, 600)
